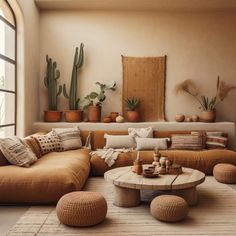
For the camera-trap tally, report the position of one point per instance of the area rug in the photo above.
(215, 214)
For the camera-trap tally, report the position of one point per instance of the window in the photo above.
(7, 70)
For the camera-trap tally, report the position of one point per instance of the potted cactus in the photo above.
(93, 101)
(131, 109)
(74, 114)
(50, 82)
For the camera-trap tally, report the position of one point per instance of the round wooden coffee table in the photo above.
(128, 185)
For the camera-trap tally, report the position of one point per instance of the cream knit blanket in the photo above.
(109, 155)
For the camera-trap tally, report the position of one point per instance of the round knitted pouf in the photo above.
(81, 208)
(225, 173)
(169, 208)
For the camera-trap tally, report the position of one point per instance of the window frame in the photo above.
(13, 62)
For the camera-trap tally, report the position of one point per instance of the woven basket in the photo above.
(169, 208)
(81, 208)
(225, 173)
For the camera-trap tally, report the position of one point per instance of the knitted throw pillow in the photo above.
(16, 152)
(49, 143)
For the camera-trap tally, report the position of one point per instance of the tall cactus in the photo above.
(78, 63)
(50, 81)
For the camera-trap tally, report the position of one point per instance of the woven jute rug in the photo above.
(214, 215)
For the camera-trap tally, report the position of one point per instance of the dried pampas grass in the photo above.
(187, 86)
(224, 90)
(208, 104)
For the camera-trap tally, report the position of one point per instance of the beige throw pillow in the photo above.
(119, 141)
(16, 152)
(70, 137)
(151, 143)
(141, 132)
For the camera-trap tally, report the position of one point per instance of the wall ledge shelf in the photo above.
(228, 127)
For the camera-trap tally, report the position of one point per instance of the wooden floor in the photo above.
(214, 215)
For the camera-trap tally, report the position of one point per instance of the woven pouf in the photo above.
(225, 173)
(169, 208)
(81, 208)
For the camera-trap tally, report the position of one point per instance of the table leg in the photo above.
(189, 194)
(126, 197)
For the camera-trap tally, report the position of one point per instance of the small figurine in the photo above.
(138, 167)
(156, 157)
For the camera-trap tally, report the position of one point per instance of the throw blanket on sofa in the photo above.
(109, 155)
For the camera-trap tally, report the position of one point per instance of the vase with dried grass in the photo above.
(207, 105)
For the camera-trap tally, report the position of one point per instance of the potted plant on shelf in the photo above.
(50, 82)
(74, 114)
(93, 101)
(131, 109)
(207, 105)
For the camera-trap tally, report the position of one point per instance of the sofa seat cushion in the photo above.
(200, 160)
(52, 176)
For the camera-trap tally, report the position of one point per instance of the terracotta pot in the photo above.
(52, 116)
(208, 116)
(113, 116)
(73, 116)
(94, 113)
(195, 118)
(133, 116)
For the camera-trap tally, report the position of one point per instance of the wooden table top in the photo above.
(124, 177)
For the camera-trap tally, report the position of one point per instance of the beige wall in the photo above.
(198, 46)
(28, 66)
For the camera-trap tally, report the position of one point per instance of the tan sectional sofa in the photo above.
(58, 173)
(201, 160)
(46, 181)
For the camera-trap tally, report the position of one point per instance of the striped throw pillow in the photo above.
(187, 142)
(70, 137)
(216, 142)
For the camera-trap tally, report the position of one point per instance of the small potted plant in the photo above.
(131, 109)
(207, 105)
(93, 101)
(74, 114)
(50, 82)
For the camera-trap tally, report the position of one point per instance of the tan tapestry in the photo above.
(144, 77)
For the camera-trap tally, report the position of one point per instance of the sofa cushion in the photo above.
(200, 160)
(49, 143)
(119, 141)
(16, 152)
(70, 137)
(33, 144)
(52, 176)
(187, 142)
(141, 132)
(151, 143)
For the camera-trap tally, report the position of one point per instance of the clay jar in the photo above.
(106, 119)
(133, 116)
(52, 116)
(73, 116)
(179, 118)
(94, 113)
(113, 116)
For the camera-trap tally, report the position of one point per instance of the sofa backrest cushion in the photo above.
(100, 141)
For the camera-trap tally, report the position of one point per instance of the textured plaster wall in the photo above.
(199, 46)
